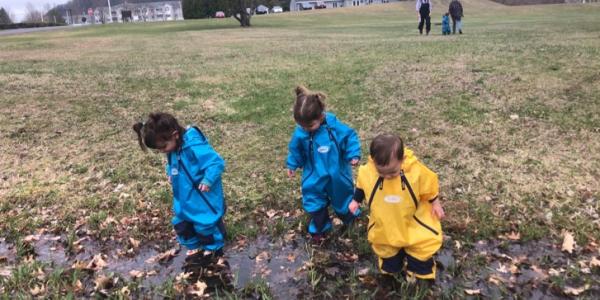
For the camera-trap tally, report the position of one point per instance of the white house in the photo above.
(141, 12)
(297, 5)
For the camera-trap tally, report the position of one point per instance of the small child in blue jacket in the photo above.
(325, 148)
(446, 24)
(194, 170)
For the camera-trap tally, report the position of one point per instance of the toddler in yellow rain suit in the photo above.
(402, 193)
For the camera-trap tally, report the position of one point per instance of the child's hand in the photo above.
(437, 210)
(291, 173)
(204, 188)
(354, 162)
(353, 206)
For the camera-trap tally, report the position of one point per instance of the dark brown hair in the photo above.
(157, 130)
(384, 147)
(309, 106)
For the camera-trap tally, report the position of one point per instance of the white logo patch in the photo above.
(323, 149)
(392, 199)
(174, 172)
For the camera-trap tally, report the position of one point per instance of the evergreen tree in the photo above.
(4, 18)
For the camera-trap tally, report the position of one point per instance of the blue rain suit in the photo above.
(325, 156)
(197, 215)
(445, 25)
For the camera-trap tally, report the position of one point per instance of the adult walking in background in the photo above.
(424, 8)
(456, 12)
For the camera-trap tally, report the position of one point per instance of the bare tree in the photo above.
(33, 15)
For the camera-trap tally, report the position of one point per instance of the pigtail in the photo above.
(301, 91)
(320, 98)
(137, 127)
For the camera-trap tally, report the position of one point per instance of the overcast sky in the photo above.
(17, 7)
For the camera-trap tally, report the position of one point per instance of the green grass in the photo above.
(69, 99)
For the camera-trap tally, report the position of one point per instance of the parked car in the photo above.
(320, 5)
(277, 9)
(261, 10)
(306, 6)
(219, 14)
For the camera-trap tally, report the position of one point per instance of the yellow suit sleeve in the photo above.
(428, 184)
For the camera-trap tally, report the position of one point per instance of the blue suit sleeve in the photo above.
(350, 143)
(295, 158)
(211, 163)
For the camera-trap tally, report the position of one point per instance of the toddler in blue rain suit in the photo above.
(325, 149)
(194, 170)
(446, 24)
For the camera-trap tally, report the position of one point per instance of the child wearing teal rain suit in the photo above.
(325, 148)
(194, 170)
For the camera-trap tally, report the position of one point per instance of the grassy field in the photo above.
(508, 115)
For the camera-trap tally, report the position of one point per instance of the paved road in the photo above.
(28, 30)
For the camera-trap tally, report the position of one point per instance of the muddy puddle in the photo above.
(492, 268)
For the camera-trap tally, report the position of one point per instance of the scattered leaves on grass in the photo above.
(103, 282)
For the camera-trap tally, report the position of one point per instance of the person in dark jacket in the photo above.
(456, 12)
(424, 8)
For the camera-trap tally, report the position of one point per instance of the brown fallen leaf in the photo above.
(291, 257)
(31, 238)
(197, 289)
(513, 236)
(97, 263)
(77, 286)
(79, 265)
(495, 279)
(3, 258)
(183, 276)
(263, 256)
(40, 275)
(568, 242)
(541, 273)
(271, 213)
(473, 292)
(136, 274)
(576, 291)
(125, 291)
(102, 282)
(6, 271)
(163, 257)
(134, 243)
(594, 262)
(38, 290)
(151, 273)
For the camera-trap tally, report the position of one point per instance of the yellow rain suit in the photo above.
(401, 224)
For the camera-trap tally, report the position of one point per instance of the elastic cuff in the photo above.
(433, 200)
(359, 195)
(205, 182)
